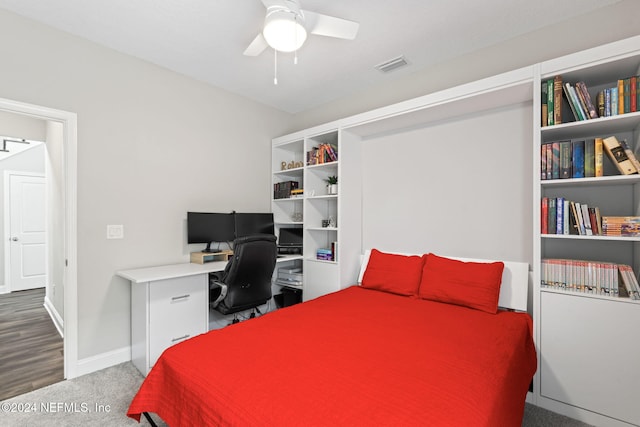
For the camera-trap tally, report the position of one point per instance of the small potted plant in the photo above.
(332, 185)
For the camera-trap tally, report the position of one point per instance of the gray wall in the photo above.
(152, 145)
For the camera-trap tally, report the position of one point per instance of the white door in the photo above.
(27, 221)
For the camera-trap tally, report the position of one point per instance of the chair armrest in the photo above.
(214, 287)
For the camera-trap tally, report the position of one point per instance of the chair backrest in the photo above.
(248, 274)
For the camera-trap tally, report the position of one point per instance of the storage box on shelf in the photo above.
(586, 289)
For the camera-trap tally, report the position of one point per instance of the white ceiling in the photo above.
(204, 39)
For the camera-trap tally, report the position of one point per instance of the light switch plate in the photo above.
(115, 231)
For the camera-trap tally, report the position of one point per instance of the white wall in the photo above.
(19, 126)
(460, 187)
(152, 144)
(54, 171)
(605, 25)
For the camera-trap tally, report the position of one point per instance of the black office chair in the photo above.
(246, 281)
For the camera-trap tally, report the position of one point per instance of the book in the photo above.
(582, 102)
(613, 108)
(600, 102)
(598, 221)
(585, 218)
(543, 162)
(566, 159)
(590, 108)
(559, 215)
(589, 158)
(598, 156)
(633, 86)
(578, 159)
(593, 221)
(543, 101)
(626, 103)
(630, 154)
(627, 279)
(557, 100)
(577, 211)
(574, 224)
(620, 94)
(550, 102)
(544, 215)
(555, 160)
(552, 216)
(618, 156)
(549, 160)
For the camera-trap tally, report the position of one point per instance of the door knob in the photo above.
(15, 239)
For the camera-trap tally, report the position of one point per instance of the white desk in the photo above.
(169, 303)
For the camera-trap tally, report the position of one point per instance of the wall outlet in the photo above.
(115, 231)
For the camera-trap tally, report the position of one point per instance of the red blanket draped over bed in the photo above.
(355, 357)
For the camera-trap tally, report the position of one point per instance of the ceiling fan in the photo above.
(286, 26)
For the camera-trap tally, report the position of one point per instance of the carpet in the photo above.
(103, 397)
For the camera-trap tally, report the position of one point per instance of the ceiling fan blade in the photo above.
(257, 46)
(325, 25)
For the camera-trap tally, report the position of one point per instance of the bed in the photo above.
(389, 351)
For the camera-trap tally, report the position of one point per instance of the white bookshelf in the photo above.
(577, 334)
(320, 276)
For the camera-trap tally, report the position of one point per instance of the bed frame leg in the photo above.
(148, 417)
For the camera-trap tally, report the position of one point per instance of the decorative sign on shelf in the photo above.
(290, 165)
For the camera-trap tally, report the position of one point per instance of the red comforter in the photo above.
(354, 357)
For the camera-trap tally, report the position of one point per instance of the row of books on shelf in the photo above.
(328, 254)
(602, 278)
(286, 189)
(561, 216)
(584, 158)
(622, 98)
(323, 153)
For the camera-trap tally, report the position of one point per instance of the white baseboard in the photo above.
(55, 316)
(102, 361)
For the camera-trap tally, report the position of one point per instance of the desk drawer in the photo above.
(178, 310)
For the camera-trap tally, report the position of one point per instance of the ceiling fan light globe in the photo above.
(283, 32)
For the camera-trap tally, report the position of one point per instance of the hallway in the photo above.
(31, 350)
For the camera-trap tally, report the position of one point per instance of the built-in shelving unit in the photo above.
(586, 343)
(317, 210)
(577, 332)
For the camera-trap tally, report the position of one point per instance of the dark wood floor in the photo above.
(30, 346)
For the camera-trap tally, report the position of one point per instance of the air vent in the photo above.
(391, 64)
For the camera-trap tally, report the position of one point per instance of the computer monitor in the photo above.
(208, 227)
(290, 237)
(254, 223)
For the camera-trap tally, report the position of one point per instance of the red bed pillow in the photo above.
(398, 274)
(470, 284)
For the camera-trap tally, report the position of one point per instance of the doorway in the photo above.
(25, 231)
(66, 257)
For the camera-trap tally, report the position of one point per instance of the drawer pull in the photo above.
(184, 337)
(180, 297)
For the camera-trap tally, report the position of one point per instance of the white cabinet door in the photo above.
(178, 310)
(589, 354)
